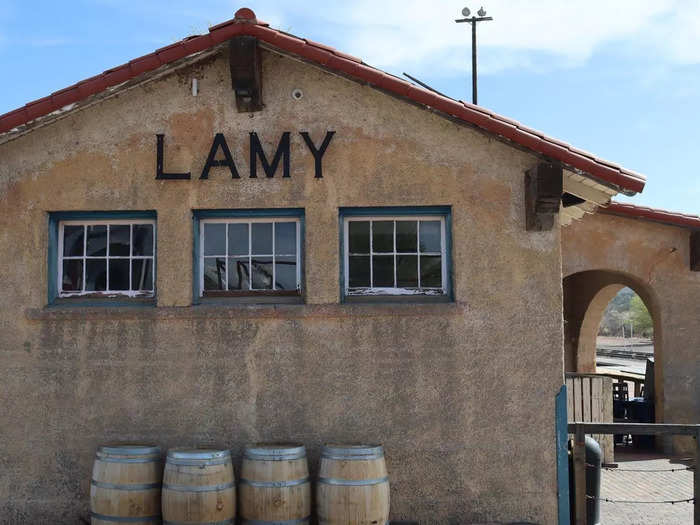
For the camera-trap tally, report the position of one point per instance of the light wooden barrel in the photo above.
(274, 486)
(125, 485)
(198, 487)
(353, 486)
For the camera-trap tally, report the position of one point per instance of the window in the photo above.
(251, 254)
(396, 253)
(96, 255)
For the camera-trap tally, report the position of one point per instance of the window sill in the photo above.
(396, 299)
(102, 302)
(247, 311)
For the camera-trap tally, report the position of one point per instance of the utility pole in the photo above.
(473, 21)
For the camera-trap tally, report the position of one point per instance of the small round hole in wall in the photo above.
(297, 94)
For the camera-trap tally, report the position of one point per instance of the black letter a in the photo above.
(219, 142)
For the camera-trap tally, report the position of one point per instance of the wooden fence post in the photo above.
(580, 475)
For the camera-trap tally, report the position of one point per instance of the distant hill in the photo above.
(626, 315)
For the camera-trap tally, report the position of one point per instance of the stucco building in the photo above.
(249, 236)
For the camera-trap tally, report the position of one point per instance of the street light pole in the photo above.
(473, 21)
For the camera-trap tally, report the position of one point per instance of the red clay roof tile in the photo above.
(653, 214)
(245, 23)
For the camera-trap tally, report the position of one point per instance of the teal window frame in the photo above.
(252, 213)
(57, 217)
(445, 212)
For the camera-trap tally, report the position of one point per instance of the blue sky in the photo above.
(621, 81)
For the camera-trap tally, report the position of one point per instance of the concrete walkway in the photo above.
(624, 484)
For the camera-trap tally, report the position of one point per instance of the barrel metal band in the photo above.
(117, 486)
(301, 521)
(224, 522)
(124, 519)
(353, 482)
(107, 459)
(274, 484)
(281, 457)
(366, 457)
(198, 462)
(199, 488)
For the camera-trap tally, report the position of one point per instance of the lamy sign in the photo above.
(219, 148)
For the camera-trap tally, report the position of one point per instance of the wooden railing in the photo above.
(580, 429)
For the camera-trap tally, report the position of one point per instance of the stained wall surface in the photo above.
(603, 251)
(461, 394)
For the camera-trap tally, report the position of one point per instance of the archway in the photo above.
(586, 296)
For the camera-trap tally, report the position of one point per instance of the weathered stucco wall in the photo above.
(653, 259)
(461, 394)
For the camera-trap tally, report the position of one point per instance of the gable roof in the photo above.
(246, 23)
(652, 214)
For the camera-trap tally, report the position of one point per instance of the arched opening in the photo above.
(587, 295)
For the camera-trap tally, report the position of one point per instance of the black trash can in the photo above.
(593, 467)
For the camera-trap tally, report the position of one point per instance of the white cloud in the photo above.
(413, 33)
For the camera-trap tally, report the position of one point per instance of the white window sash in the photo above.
(394, 290)
(107, 257)
(273, 256)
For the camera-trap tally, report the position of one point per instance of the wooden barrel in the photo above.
(198, 487)
(125, 486)
(353, 486)
(274, 486)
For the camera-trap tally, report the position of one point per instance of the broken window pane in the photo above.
(431, 271)
(214, 273)
(407, 236)
(72, 275)
(261, 240)
(142, 274)
(383, 236)
(430, 236)
(285, 238)
(358, 233)
(285, 273)
(96, 241)
(238, 273)
(358, 271)
(96, 273)
(119, 241)
(238, 239)
(262, 273)
(118, 274)
(142, 239)
(407, 271)
(73, 244)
